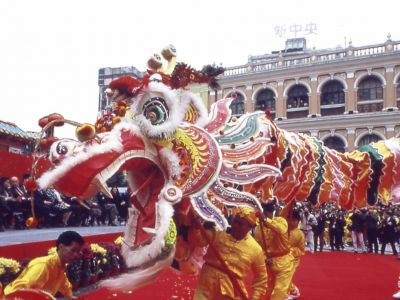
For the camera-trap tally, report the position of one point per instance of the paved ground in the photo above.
(349, 248)
(12, 237)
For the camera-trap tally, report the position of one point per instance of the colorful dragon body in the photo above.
(181, 161)
(315, 173)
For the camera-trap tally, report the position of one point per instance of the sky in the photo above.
(50, 51)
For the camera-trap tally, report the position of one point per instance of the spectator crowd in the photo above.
(52, 208)
(364, 230)
(326, 227)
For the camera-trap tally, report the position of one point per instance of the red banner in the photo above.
(12, 164)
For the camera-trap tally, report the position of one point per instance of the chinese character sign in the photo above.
(296, 29)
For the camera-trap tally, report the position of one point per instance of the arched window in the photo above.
(368, 139)
(237, 105)
(335, 143)
(297, 102)
(332, 93)
(332, 98)
(370, 90)
(265, 99)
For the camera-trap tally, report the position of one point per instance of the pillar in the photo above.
(280, 104)
(351, 95)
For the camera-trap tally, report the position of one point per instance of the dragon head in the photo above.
(153, 132)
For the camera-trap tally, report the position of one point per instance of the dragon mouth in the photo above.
(84, 173)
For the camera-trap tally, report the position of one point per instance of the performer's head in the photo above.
(269, 208)
(69, 245)
(244, 220)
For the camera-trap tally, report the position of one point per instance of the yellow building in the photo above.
(345, 97)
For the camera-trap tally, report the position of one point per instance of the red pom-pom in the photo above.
(85, 132)
(31, 222)
(30, 185)
(43, 122)
(122, 103)
(125, 85)
(121, 111)
(54, 117)
(43, 144)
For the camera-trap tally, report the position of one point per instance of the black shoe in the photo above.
(2, 228)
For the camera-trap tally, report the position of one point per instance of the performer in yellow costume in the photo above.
(229, 259)
(272, 235)
(297, 242)
(47, 273)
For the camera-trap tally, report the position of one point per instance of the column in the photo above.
(389, 92)
(314, 105)
(248, 106)
(351, 95)
(280, 103)
(314, 133)
(390, 131)
(351, 138)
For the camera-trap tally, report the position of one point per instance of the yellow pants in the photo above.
(296, 263)
(280, 273)
(215, 285)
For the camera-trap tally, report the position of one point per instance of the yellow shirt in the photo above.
(297, 241)
(241, 256)
(276, 237)
(45, 273)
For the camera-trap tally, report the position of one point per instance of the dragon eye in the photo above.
(156, 110)
(61, 149)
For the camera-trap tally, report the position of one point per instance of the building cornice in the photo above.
(345, 122)
(337, 66)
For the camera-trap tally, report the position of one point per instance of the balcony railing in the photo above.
(313, 57)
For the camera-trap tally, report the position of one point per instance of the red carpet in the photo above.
(328, 276)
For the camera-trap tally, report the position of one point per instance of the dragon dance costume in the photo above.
(275, 241)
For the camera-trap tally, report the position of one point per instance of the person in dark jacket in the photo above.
(389, 224)
(332, 227)
(108, 208)
(357, 230)
(372, 223)
(319, 230)
(5, 198)
(121, 203)
(23, 199)
(339, 231)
